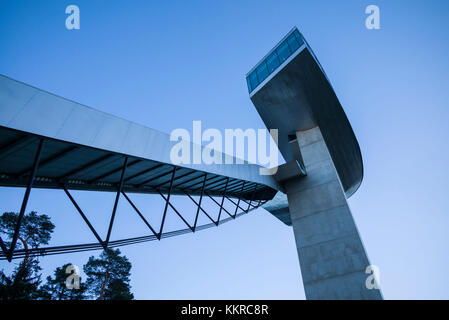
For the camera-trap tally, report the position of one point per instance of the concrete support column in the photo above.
(331, 254)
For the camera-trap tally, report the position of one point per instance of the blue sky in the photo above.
(165, 64)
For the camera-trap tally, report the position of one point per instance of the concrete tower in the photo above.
(323, 168)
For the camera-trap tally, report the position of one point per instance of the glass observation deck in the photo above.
(291, 42)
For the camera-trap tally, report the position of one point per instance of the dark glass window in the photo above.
(283, 51)
(262, 71)
(272, 62)
(249, 84)
(276, 58)
(298, 38)
(253, 79)
(292, 42)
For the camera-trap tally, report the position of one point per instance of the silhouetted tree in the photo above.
(34, 231)
(23, 283)
(56, 288)
(108, 276)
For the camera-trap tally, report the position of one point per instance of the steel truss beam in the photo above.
(220, 205)
(228, 187)
(154, 178)
(233, 183)
(237, 205)
(84, 217)
(139, 213)
(187, 181)
(246, 188)
(222, 200)
(95, 246)
(9, 253)
(15, 145)
(86, 166)
(197, 204)
(117, 196)
(111, 172)
(252, 197)
(176, 211)
(138, 174)
(202, 187)
(220, 182)
(176, 178)
(154, 236)
(167, 201)
(45, 162)
(252, 205)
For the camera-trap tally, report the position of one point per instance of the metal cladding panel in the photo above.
(85, 149)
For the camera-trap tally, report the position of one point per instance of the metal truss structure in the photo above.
(227, 190)
(49, 142)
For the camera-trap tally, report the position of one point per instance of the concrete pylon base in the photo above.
(331, 254)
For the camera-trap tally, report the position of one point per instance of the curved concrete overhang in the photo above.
(298, 96)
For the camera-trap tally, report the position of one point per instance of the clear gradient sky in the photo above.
(166, 63)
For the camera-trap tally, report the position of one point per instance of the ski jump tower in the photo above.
(323, 168)
(50, 142)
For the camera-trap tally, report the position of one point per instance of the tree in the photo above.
(108, 276)
(35, 230)
(118, 290)
(56, 288)
(23, 282)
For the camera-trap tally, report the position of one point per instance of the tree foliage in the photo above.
(56, 289)
(108, 276)
(34, 231)
(23, 283)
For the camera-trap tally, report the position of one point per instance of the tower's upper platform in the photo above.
(291, 92)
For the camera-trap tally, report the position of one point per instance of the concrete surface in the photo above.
(331, 254)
